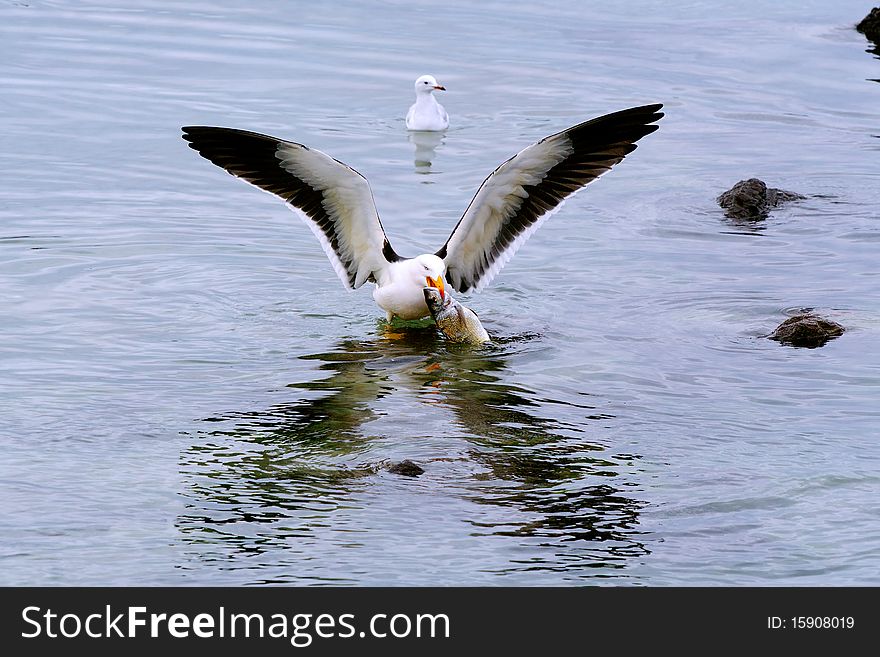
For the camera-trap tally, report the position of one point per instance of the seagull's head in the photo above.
(428, 271)
(427, 84)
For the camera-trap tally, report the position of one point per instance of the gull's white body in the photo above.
(400, 294)
(426, 114)
(336, 202)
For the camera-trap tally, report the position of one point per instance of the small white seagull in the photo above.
(426, 113)
(336, 202)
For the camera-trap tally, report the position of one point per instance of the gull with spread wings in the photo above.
(336, 202)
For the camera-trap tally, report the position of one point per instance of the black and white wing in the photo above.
(524, 191)
(333, 199)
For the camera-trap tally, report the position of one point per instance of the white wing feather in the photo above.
(349, 201)
(491, 207)
(334, 200)
(528, 188)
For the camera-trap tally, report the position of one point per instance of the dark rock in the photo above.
(752, 199)
(806, 330)
(870, 25)
(406, 468)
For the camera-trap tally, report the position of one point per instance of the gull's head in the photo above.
(428, 271)
(427, 84)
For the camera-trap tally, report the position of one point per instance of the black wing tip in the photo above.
(192, 130)
(198, 135)
(643, 114)
(646, 110)
(626, 125)
(192, 133)
(655, 113)
(653, 107)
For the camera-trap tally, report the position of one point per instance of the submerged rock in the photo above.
(752, 199)
(870, 25)
(406, 468)
(807, 330)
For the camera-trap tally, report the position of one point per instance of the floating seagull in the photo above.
(426, 113)
(336, 202)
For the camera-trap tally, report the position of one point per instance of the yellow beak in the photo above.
(438, 283)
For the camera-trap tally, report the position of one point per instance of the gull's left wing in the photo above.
(333, 199)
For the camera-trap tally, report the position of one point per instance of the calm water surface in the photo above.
(189, 396)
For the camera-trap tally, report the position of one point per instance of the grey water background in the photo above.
(189, 396)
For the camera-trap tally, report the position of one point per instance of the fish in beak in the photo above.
(456, 322)
(436, 282)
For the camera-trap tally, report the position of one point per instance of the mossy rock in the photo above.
(406, 468)
(751, 199)
(870, 25)
(807, 330)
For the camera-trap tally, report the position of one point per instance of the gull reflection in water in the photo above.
(426, 144)
(256, 479)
